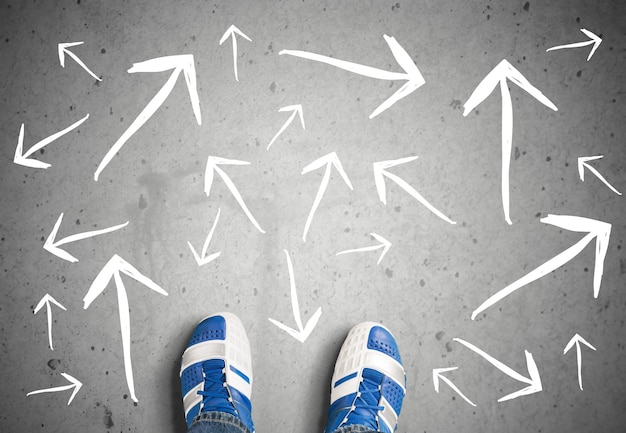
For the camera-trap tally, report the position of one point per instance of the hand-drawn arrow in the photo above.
(295, 109)
(74, 383)
(577, 339)
(582, 163)
(593, 39)
(594, 229)
(203, 259)
(533, 381)
(23, 158)
(412, 75)
(232, 32)
(212, 165)
(181, 63)
(500, 74)
(112, 270)
(303, 332)
(384, 244)
(47, 300)
(380, 172)
(63, 50)
(52, 246)
(437, 374)
(330, 160)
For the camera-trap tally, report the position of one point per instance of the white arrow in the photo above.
(212, 165)
(594, 229)
(232, 32)
(330, 160)
(577, 339)
(23, 158)
(52, 246)
(47, 300)
(500, 74)
(203, 259)
(63, 50)
(593, 39)
(384, 244)
(295, 109)
(437, 374)
(412, 75)
(533, 381)
(582, 163)
(181, 63)
(303, 332)
(112, 270)
(380, 172)
(74, 383)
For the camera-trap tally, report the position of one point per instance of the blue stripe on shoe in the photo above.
(381, 340)
(345, 379)
(191, 377)
(211, 328)
(240, 373)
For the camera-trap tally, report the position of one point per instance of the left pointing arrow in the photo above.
(47, 300)
(74, 383)
(63, 50)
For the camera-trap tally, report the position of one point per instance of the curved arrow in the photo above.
(203, 259)
(593, 39)
(384, 244)
(295, 109)
(582, 163)
(63, 50)
(47, 300)
(437, 374)
(74, 383)
(232, 32)
(577, 339)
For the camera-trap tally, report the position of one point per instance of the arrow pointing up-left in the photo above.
(74, 383)
(63, 50)
(47, 300)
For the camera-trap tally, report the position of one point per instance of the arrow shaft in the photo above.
(55, 389)
(294, 293)
(282, 129)
(499, 365)
(53, 137)
(318, 199)
(507, 145)
(89, 234)
(599, 176)
(233, 189)
(49, 317)
(124, 311)
(235, 56)
(574, 45)
(82, 65)
(455, 389)
(363, 249)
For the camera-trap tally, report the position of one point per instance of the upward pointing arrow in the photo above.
(232, 32)
(583, 162)
(576, 340)
(63, 50)
(593, 39)
(47, 300)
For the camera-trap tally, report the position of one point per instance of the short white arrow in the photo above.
(593, 39)
(22, 158)
(74, 383)
(232, 32)
(212, 165)
(47, 300)
(52, 246)
(328, 160)
(63, 50)
(384, 244)
(112, 270)
(203, 259)
(303, 332)
(295, 109)
(412, 75)
(594, 229)
(181, 63)
(380, 172)
(577, 339)
(533, 381)
(582, 163)
(500, 74)
(437, 374)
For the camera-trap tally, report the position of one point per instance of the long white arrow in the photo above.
(328, 160)
(500, 74)
(52, 246)
(303, 332)
(593, 39)
(22, 158)
(594, 229)
(181, 63)
(74, 383)
(47, 300)
(112, 270)
(202, 258)
(412, 75)
(295, 109)
(533, 381)
(577, 339)
(437, 374)
(582, 163)
(232, 32)
(384, 244)
(63, 50)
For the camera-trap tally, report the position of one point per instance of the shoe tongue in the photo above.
(215, 394)
(367, 415)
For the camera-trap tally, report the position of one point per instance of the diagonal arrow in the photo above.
(412, 75)
(62, 48)
(582, 163)
(52, 246)
(577, 339)
(74, 383)
(203, 259)
(593, 39)
(47, 300)
(295, 109)
(594, 229)
(181, 63)
(303, 332)
(503, 71)
(232, 32)
(437, 374)
(384, 244)
(112, 270)
(330, 160)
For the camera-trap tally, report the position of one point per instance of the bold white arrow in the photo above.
(295, 109)
(63, 50)
(232, 32)
(533, 381)
(181, 63)
(47, 300)
(412, 75)
(52, 246)
(380, 172)
(112, 270)
(437, 374)
(577, 339)
(384, 244)
(582, 163)
(74, 383)
(594, 229)
(330, 160)
(203, 259)
(22, 158)
(500, 74)
(593, 39)
(212, 165)
(303, 332)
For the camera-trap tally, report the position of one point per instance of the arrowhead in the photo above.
(203, 260)
(62, 48)
(302, 334)
(582, 163)
(232, 30)
(577, 339)
(47, 300)
(534, 380)
(77, 384)
(329, 159)
(22, 158)
(385, 244)
(437, 374)
(380, 173)
(595, 39)
(295, 108)
(52, 247)
(212, 165)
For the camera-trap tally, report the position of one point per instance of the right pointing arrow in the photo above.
(384, 244)
(437, 374)
(74, 383)
(577, 339)
(594, 40)
(582, 164)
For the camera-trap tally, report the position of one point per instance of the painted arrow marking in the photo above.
(412, 75)
(437, 374)
(594, 229)
(330, 160)
(577, 339)
(533, 381)
(295, 109)
(52, 246)
(63, 50)
(74, 383)
(303, 332)
(500, 74)
(203, 259)
(112, 270)
(593, 39)
(233, 32)
(582, 163)
(22, 158)
(384, 244)
(47, 300)
(181, 63)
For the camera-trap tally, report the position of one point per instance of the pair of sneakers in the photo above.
(367, 388)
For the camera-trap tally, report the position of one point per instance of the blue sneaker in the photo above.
(216, 370)
(369, 382)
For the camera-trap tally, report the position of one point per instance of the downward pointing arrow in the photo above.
(437, 374)
(593, 39)
(74, 383)
(384, 244)
(577, 339)
(295, 109)
(63, 50)
(47, 300)
(582, 163)
(203, 259)
(232, 32)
